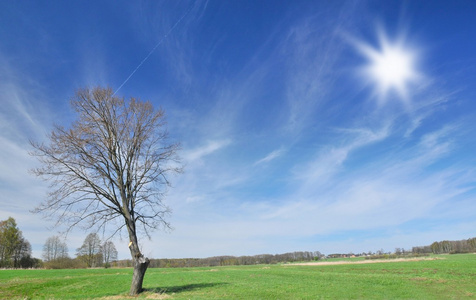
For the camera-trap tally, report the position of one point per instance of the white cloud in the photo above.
(391, 191)
(23, 116)
(271, 156)
(202, 151)
(313, 53)
(328, 161)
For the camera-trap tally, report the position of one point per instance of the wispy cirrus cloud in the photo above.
(382, 195)
(202, 151)
(329, 160)
(23, 117)
(271, 156)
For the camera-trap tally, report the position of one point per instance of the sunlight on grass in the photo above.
(450, 277)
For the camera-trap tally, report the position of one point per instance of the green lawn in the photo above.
(451, 277)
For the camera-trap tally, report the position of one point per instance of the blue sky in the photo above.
(335, 126)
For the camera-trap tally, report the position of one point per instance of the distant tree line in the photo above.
(92, 253)
(229, 260)
(15, 251)
(451, 247)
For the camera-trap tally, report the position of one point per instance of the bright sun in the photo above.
(391, 67)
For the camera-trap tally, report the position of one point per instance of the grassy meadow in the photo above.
(446, 277)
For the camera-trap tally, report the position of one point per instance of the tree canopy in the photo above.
(15, 250)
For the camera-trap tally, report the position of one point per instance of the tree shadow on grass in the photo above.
(182, 288)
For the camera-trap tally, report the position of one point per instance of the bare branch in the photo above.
(112, 164)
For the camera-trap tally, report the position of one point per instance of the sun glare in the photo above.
(391, 68)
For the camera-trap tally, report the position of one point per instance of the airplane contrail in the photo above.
(152, 51)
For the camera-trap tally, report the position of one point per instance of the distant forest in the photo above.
(449, 247)
(228, 260)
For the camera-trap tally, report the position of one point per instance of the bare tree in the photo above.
(109, 253)
(91, 250)
(110, 167)
(54, 248)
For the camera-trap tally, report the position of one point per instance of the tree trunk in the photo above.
(140, 266)
(139, 261)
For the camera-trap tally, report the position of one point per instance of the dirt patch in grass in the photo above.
(358, 262)
(418, 279)
(158, 296)
(146, 294)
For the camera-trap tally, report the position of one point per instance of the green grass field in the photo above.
(449, 277)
